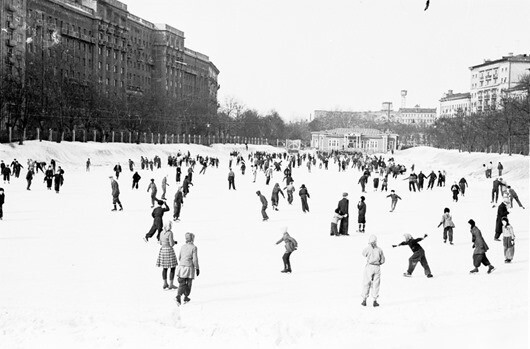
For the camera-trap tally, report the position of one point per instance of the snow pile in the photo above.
(75, 275)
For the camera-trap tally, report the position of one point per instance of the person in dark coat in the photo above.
(304, 195)
(179, 172)
(502, 211)
(117, 170)
(462, 184)
(48, 178)
(186, 186)
(495, 190)
(344, 208)
(500, 168)
(57, 181)
(136, 179)
(421, 178)
(513, 196)
(480, 249)
(115, 193)
(418, 255)
(231, 180)
(455, 189)
(29, 178)
(432, 177)
(361, 218)
(362, 181)
(2, 201)
(157, 215)
(275, 197)
(177, 204)
(290, 246)
(264, 204)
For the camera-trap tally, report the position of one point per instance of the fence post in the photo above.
(84, 136)
(38, 133)
(94, 135)
(112, 136)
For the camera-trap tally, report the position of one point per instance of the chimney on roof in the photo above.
(487, 60)
(449, 92)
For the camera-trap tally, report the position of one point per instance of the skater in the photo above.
(187, 268)
(115, 193)
(361, 218)
(432, 177)
(117, 170)
(178, 173)
(448, 225)
(455, 189)
(462, 184)
(290, 190)
(166, 257)
(335, 221)
(421, 179)
(376, 183)
(186, 186)
(413, 179)
(136, 179)
(372, 271)
(495, 190)
(164, 186)
(502, 211)
(268, 175)
(48, 178)
(88, 165)
(6, 172)
(275, 196)
(384, 185)
(290, 246)
(394, 198)
(362, 181)
(344, 209)
(513, 196)
(254, 173)
(500, 168)
(231, 180)
(508, 238)
(264, 204)
(57, 181)
(304, 195)
(157, 215)
(29, 178)
(2, 201)
(131, 165)
(152, 187)
(480, 246)
(418, 255)
(177, 204)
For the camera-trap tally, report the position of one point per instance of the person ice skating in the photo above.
(376, 183)
(362, 181)
(136, 179)
(462, 184)
(290, 190)
(254, 173)
(508, 239)
(500, 168)
(157, 215)
(6, 172)
(304, 195)
(394, 198)
(187, 269)
(418, 255)
(513, 196)
(421, 179)
(502, 211)
(29, 178)
(115, 193)
(335, 221)
(166, 257)
(268, 175)
(290, 246)
(384, 185)
(131, 165)
(344, 208)
(164, 187)
(186, 186)
(48, 178)
(455, 189)
(57, 181)
(448, 225)
(178, 174)
(275, 197)
(2, 201)
(413, 180)
(361, 218)
(153, 189)
(495, 190)
(117, 170)
(264, 204)
(432, 177)
(87, 165)
(231, 180)
(480, 249)
(177, 204)
(372, 270)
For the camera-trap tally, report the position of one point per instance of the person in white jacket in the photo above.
(187, 266)
(447, 222)
(372, 271)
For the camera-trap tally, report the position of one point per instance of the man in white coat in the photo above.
(372, 271)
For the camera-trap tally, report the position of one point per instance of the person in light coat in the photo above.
(290, 246)
(447, 222)
(372, 271)
(115, 193)
(187, 268)
(166, 257)
(508, 238)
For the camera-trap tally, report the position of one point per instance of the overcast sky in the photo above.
(296, 56)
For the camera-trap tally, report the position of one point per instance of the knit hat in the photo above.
(372, 239)
(407, 237)
(285, 229)
(344, 194)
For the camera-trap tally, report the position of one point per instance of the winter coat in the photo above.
(179, 198)
(394, 197)
(374, 255)
(344, 205)
(290, 243)
(275, 193)
(413, 244)
(263, 200)
(157, 215)
(136, 177)
(188, 261)
(502, 211)
(2, 199)
(362, 212)
(304, 193)
(115, 188)
(447, 220)
(152, 187)
(478, 241)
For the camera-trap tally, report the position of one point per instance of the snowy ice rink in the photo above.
(73, 274)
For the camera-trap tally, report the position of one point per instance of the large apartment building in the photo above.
(102, 41)
(453, 104)
(491, 79)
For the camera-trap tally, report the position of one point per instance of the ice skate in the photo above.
(177, 299)
(186, 299)
(376, 304)
(364, 303)
(166, 286)
(407, 275)
(429, 276)
(113, 209)
(490, 269)
(145, 239)
(474, 271)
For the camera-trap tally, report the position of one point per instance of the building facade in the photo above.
(491, 79)
(102, 41)
(354, 139)
(417, 116)
(452, 104)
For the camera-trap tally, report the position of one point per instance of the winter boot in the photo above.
(429, 275)
(177, 299)
(407, 275)
(376, 304)
(121, 208)
(474, 271)
(171, 286)
(490, 269)
(165, 285)
(364, 303)
(186, 299)
(114, 209)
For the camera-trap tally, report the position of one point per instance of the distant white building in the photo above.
(354, 139)
(491, 79)
(417, 115)
(453, 103)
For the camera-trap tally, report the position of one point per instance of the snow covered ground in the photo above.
(73, 274)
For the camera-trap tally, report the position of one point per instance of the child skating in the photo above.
(290, 246)
(418, 255)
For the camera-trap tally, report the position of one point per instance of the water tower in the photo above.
(403, 98)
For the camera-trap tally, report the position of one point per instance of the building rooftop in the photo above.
(417, 110)
(523, 58)
(346, 131)
(455, 96)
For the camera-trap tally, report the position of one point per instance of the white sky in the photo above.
(296, 56)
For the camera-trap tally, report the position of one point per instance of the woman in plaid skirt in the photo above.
(166, 257)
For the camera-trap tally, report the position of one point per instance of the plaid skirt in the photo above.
(166, 258)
